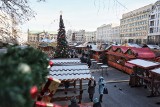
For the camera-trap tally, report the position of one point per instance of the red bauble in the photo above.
(34, 92)
(51, 63)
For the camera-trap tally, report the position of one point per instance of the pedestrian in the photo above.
(83, 58)
(88, 61)
(91, 88)
(101, 84)
(73, 103)
(96, 103)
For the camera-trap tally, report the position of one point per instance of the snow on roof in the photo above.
(143, 63)
(131, 45)
(61, 61)
(157, 70)
(73, 72)
(94, 47)
(153, 46)
(134, 45)
(80, 45)
(48, 40)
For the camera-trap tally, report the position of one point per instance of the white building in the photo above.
(69, 35)
(115, 34)
(107, 33)
(80, 36)
(90, 36)
(154, 24)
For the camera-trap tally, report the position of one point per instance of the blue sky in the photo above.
(79, 14)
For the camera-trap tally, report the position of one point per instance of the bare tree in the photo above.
(12, 13)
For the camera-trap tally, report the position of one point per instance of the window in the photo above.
(151, 30)
(152, 16)
(151, 23)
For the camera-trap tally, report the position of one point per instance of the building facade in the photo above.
(90, 36)
(108, 33)
(134, 25)
(80, 36)
(37, 36)
(115, 34)
(154, 26)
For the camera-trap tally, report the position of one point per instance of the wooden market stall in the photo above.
(96, 54)
(80, 48)
(144, 75)
(69, 72)
(155, 73)
(49, 50)
(117, 56)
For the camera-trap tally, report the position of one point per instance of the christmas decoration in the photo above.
(20, 70)
(49, 89)
(43, 104)
(51, 63)
(34, 92)
(62, 44)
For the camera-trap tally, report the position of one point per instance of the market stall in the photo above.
(117, 56)
(143, 74)
(69, 73)
(96, 54)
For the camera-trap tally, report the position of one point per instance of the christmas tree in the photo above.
(62, 44)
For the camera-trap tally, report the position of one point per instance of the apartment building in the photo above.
(90, 36)
(80, 36)
(69, 35)
(134, 25)
(154, 26)
(108, 33)
(38, 36)
(115, 34)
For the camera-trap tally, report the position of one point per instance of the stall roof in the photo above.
(70, 73)
(80, 46)
(131, 45)
(143, 63)
(66, 61)
(144, 53)
(156, 70)
(153, 46)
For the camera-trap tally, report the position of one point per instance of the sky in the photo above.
(79, 14)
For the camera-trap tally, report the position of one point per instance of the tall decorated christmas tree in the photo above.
(62, 44)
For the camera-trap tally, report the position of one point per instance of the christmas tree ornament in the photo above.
(51, 63)
(34, 92)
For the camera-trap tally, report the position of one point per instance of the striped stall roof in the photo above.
(66, 61)
(70, 72)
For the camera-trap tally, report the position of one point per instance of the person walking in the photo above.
(96, 103)
(101, 84)
(91, 88)
(88, 61)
